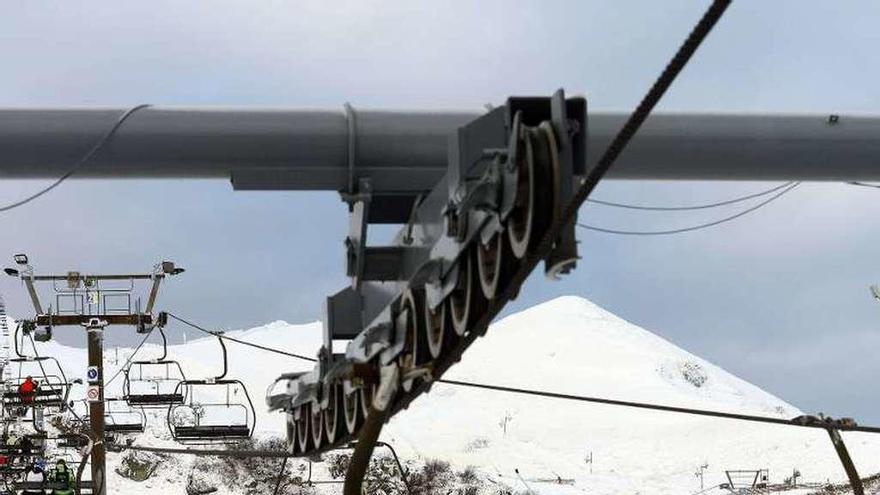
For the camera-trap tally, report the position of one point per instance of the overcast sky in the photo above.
(779, 297)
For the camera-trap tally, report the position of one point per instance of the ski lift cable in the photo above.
(694, 227)
(690, 207)
(863, 184)
(98, 146)
(239, 341)
(675, 409)
(130, 357)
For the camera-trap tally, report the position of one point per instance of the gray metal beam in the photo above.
(405, 152)
(743, 147)
(257, 149)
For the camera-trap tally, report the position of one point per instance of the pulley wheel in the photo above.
(334, 416)
(519, 222)
(290, 433)
(437, 329)
(317, 422)
(466, 301)
(351, 407)
(415, 351)
(492, 265)
(303, 429)
(366, 393)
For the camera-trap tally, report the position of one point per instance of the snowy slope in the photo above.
(566, 345)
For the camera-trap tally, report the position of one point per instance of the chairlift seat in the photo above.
(124, 427)
(38, 393)
(154, 399)
(85, 486)
(10, 449)
(212, 432)
(73, 442)
(44, 397)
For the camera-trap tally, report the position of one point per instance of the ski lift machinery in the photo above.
(474, 193)
(158, 387)
(217, 410)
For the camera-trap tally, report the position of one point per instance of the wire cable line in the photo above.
(674, 409)
(694, 227)
(130, 357)
(863, 184)
(242, 342)
(691, 207)
(98, 146)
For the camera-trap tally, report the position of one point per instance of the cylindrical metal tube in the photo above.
(743, 147)
(406, 151)
(287, 149)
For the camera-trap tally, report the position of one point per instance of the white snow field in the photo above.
(566, 345)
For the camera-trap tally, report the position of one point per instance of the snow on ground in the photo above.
(566, 345)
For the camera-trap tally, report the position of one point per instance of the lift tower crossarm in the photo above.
(405, 152)
(77, 279)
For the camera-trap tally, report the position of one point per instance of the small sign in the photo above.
(92, 374)
(93, 393)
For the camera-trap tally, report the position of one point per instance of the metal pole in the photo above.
(855, 480)
(363, 451)
(96, 409)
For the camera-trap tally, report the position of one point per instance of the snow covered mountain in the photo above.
(566, 345)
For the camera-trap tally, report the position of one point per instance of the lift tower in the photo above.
(92, 302)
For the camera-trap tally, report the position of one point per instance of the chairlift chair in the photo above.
(123, 420)
(159, 386)
(205, 419)
(53, 386)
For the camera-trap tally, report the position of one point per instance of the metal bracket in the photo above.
(343, 316)
(388, 383)
(43, 334)
(351, 122)
(355, 243)
(564, 256)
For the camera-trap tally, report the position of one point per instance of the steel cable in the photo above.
(690, 207)
(659, 407)
(694, 227)
(242, 342)
(130, 357)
